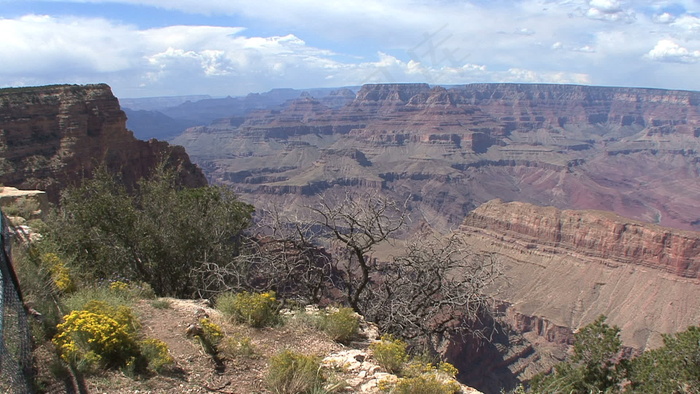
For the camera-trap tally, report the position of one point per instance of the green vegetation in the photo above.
(294, 373)
(597, 365)
(673, 368)
(157, 355)
(416, 375)
(425, 384)
(255, 309)
(390, 353)
(341, 325)
(210, 336)
(237, 346)
(105, 232)
(593, 366)
(24, 207)
(162, 303)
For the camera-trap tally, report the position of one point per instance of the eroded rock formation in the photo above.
(595, 235)
(565, 268)
(627, 150)
(52, 136)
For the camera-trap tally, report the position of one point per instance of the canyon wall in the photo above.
(52, 136)
(447, 150)
(564, 268)
(569, 267)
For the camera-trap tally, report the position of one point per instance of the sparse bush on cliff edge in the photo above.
(390, 353)
(341, 325)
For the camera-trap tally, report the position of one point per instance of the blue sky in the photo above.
(219, 47)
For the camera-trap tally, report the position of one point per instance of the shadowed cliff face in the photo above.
(627, 150)
(52, 136)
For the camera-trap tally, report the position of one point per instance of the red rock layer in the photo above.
(596, 234)
(52, 136)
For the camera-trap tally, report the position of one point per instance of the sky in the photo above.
(233, 47)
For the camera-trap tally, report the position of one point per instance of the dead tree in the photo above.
(434, 289)
(356, 225)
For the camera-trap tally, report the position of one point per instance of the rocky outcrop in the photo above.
(631, 151)
(29, 204)
(53, 136)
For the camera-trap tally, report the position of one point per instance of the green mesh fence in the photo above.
(15, 340)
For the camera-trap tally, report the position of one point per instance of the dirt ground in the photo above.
(196, 371)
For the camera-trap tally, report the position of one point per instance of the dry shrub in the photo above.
(293, 373)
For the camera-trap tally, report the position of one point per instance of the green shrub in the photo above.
(212, 331)
(80, 298)
(425, 384)
(390, 353)
(235, 346)
(255, 309)
(341, 325)
(157, 354)
(210, 336)
(25, 207)
(294, 373)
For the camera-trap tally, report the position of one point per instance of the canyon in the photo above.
(564, 268)
(589, 197)
(626, 150)
(53, 136)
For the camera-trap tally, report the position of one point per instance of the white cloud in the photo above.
(531, 76)
(687, 26)
(609, 10)
(331, 43)
(664, 18)
(669, 51)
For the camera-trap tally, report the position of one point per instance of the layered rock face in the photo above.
(627, 150)
(564, 268)
(571, 266)
(593, 234)
(52, 136)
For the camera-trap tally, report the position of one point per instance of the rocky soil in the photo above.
(351, 369)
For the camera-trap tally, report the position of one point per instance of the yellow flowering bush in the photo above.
(118, 285)
(212, 331)
(157, 354)
(59, 272)
(390, 353)
(425, 384)
(121, 313)
(210, 335)
(91, 340)
(254, 309)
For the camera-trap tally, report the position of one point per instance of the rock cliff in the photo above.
(627, 150)
(52, 136)
(568, 267)
(592, 234)
(564, 268)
